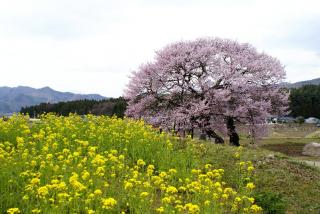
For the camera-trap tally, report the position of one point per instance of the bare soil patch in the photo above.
(290, 149)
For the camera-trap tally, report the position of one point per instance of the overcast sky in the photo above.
(91, 46)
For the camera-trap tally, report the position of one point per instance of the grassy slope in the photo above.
(297, 183)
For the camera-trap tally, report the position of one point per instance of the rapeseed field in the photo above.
(97, 164)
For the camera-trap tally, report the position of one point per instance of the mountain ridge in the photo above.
(299, 84)
(13, 98)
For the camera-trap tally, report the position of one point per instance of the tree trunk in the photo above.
(217, 138)
(210, 133)
(191, 133)
(233, 135)
(160, 130)
(203, 136)
(174, 129)
(183, 133)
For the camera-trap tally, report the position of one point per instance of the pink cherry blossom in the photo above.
(209, 84)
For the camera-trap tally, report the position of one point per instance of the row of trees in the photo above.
(112, 106)
(305, 101)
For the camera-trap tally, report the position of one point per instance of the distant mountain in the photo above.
(12, 99)
(302, 83)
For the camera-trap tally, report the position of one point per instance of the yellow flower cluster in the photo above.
(13, 211)
(108, 203)
(97, 164)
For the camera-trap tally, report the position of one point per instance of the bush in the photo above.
(271, 203)
(299, 119)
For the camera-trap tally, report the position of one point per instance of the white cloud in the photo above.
(92, 46)
(301, 64)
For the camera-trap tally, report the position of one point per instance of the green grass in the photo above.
(288, 175)
(298, 184)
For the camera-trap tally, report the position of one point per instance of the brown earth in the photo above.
(290, 149)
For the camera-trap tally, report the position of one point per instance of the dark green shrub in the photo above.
(272, 203)
(299, 119)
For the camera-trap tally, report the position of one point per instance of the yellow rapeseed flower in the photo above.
(166, 200)
(160, 209)
(255, 208)
(25, 197)
(85, 175)
(43, 191)
(195, 171)
(237, 200)
(179, 207)
(192, 208)
(13, 211)
(108, 203)
(250, 168)
(172, 171)
(250, 185)
(144, 194)
(128, 185)
(207, 166)
(236, 155)
(36, 211)
(97, 192)
(100, 171)
(241, 164)
(35, 181)
(171, 189)
(251, 200)
(163, 174)
(140, 162)
(217, 184)
(182, 189)
(207, 203)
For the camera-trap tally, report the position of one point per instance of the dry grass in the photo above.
(291, 130)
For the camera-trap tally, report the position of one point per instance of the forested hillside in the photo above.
(305, 101)
(113, 106)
